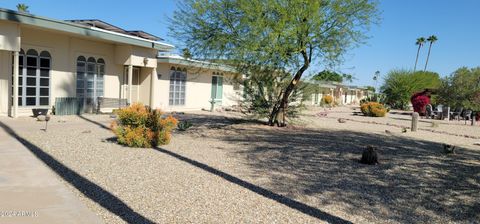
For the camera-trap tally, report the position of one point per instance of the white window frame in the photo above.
(172, 99)
(22, 95)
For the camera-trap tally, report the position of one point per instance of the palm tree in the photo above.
(432, 39)
(420, 42)
(22, 7)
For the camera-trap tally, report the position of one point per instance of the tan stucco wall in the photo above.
(198, 89)
(131, 55)
(64, 50)
(9, 36)
(5, 80)
(144, 85)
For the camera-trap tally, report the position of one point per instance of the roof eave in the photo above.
(197, 64)
(79, 29)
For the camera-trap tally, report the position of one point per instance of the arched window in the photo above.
(100, 74)
(90, 82)
(81, 70)
(44, 78)
(34, 78)
(178, 80)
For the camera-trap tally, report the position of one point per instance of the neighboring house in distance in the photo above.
(43, 60)
(342, 94)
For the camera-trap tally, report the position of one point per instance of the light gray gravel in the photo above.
(228, 171)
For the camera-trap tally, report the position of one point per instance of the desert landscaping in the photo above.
(235, 170)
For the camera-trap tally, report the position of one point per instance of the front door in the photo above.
(135, 84)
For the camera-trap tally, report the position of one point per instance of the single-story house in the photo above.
(342, 94)
(44, 60)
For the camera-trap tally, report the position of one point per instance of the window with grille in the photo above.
(90, 72)
(34, 78)
(178, 80)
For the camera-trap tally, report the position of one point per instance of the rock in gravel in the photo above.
(369, 156)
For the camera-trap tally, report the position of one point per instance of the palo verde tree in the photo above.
(277, 35)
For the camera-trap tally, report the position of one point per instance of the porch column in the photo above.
(153, 80)
(130, 76)
(15, 84)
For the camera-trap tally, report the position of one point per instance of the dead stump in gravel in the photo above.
(369, 156)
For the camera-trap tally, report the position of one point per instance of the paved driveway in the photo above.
(32, 193)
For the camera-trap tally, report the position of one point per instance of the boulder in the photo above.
(41, 118)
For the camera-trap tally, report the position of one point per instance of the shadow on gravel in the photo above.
(301, 207)
(415, 181)
(94, 122)
(213, 121)
(88, 188)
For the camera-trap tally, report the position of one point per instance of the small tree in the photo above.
(283, 35)
(461, 89)
(186, 53)
(400, 85)
(261, 90)
(327, 75)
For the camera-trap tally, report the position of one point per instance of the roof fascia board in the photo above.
(69, 27)
(198, 64)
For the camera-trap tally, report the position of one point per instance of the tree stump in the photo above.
(369, 156)
(415, 117)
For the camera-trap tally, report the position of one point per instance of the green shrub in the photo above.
(461, 89)
(140, 126)
(184, 125)
(400, 85)
(373, 109)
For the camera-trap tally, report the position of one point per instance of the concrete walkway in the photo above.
(32, 193)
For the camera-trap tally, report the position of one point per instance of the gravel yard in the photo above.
(228, 170)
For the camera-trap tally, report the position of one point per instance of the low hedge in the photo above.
(373, 109)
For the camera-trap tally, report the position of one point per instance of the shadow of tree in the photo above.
(91, 190)
(301, 207)
(415, 182)
(214, 120)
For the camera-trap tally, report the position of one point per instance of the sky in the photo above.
(391, 44)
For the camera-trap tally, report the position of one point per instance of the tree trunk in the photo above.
(428, 56)
(282, 104)
(416, 59)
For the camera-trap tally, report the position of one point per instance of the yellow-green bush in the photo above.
(373, 109)
(140, 126)
(327, 99)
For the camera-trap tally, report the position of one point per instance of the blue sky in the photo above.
(392, 42)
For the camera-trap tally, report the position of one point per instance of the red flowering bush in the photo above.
(140, 126)
(420, 101)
